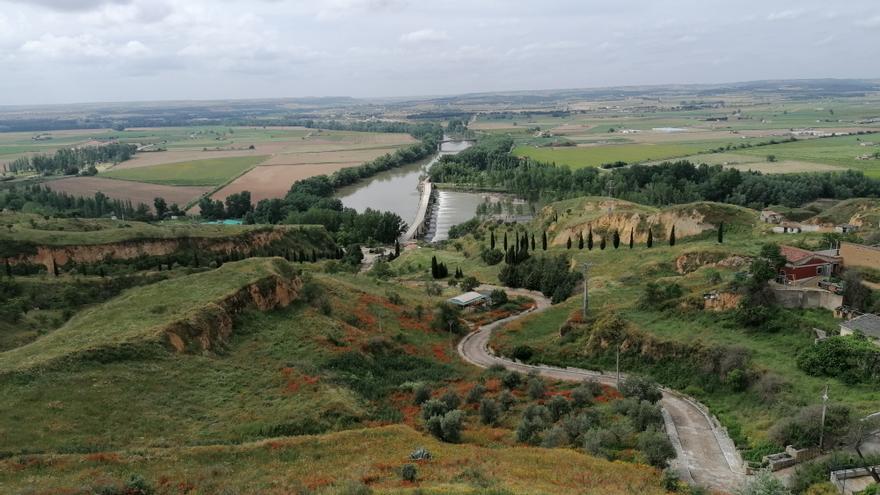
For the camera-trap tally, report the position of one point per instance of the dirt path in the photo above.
(705, 453)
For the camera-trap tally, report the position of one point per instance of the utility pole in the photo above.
(587, 266)
(824, 408)
(618, 366)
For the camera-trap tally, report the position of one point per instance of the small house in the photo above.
(802, 264)
(846, 228)
(469, 299)
(770, 216)
(867, 324)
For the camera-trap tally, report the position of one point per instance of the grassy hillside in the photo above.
(308, 368)
(140, 316)
(339, 463)
(35, 229)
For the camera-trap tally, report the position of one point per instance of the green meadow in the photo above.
(211, 172)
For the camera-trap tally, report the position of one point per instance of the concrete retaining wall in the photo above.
(807, 298)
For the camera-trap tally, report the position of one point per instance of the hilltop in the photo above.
(569, 218)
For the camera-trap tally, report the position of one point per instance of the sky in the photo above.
(64, 51)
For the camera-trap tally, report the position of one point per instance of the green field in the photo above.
(211, 172)
(841, 151)
(593, 156)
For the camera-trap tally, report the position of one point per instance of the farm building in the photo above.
(770, 216)
(801, 264)
(867, 324)
(469, 299)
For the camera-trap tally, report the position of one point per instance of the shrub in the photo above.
(581, 396)
(803, 429)
(599, 442)
(851, 358)
(642, 414)
(491, 256)
(137, 485)
(394, 298)
(660, 295)
(422, 394)
(409, 472)
(536, 388)
(577, 425)
(522, 353)
(764, 483)
(475, 394)
(433, 408)
(511, 380)
(451, 400)
(489, 411)
(641, 388)
(469, 283)
(506, 400)
(498, 297)
(555, 437)
(447, 318)
(559, 406)
(656, 448)
(451, 426)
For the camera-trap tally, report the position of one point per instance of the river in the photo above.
(397, 190)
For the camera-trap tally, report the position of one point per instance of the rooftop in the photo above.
(795, 254)
(868, 324)
(467, 298)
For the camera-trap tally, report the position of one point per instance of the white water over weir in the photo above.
(420, 225)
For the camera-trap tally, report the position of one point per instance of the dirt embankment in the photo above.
(691, 262)
(50, 256)
(687, 223)
(209, 328)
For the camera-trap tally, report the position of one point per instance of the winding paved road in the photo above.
(705, 453)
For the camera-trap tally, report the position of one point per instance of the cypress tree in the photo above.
(434, 270)
(616, 239)
(396, 248)
(631, 237)
(721, 233)
(568, 243)
(650, 242)
(672, 236)
(590, 238)
(505, 240)
(492, 239)
(580, 240)
(533, 241)
(54, 267)
(602, 243)
(544, 240)
(8, 268)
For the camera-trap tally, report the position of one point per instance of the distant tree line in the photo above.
(71, 161)
(62, 204)
(236, 205)
(490, 163)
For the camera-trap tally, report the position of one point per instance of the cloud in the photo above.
(784, 15)
(424, 36)
(70, 5)
(337, 9)
(81, 47)
(869, 22)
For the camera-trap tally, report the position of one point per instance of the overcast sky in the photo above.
(54, 51)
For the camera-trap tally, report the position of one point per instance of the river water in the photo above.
(397, 190)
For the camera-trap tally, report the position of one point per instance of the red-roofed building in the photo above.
(802, 264)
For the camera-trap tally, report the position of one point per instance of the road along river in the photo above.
(706, 455)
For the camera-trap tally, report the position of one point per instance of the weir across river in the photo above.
(419, 225)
